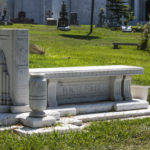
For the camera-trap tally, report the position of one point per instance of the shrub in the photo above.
(137, 28)
(117, 9)
(144, 39)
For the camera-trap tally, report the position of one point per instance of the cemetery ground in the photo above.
(74, 48)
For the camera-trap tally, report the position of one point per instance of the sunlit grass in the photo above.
(101, 135)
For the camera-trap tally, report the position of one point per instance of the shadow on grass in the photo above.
(81, 37)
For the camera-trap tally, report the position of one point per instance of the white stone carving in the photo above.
(127, 88)
(4, 83)
(116, 88)
(88, 84)
(38, 95)
(14, 44)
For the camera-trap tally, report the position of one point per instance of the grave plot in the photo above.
(63, 99)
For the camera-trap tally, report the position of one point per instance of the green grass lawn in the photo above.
(75, 49)
(113, 135)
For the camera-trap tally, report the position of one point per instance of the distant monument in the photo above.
(63, 23)
(101, 17)
(74, 18)
(22, 18)
(124, 27)
(49, 18)
(4, 18)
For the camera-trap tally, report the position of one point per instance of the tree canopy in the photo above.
(117, 9)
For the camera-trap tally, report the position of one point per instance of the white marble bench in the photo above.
(88, 84)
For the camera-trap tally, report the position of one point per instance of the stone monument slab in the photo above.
(14, 48)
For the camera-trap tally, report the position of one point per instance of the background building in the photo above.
(37, 9)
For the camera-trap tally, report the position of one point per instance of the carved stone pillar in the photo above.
(127, 88)
(38, 95)
(116, 88)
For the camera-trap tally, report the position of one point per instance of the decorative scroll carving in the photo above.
(4, 81)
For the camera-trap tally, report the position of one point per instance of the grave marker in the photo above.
(14, 70)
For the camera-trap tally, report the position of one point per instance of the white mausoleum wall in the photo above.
(56, 7)
(83, 8)
(37, 9)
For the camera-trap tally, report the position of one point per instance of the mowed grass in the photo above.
(74, 48)
(113, 135)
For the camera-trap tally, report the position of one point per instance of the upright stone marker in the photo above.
(14, 70)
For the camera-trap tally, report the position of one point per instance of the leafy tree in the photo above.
(117, 9)
(63, 13)
(144, 38)
(63, 21)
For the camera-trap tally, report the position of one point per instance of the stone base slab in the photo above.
(64, 28)
(8, 119)
(62, 129)
(131, 105)
(113, 115)
(38, 122)
(66, 120)
(4, 128)
(20, 109)
(64, 110)
(4, 108)
(68, 124)
(76, 116)
(107, 106)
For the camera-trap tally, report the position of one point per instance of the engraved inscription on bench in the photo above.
(82, 91)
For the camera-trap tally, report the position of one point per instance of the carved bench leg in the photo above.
(116, 88)
(52, 100)
(127, 87)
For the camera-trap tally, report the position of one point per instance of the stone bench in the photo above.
(88, 84)
(126, 44)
